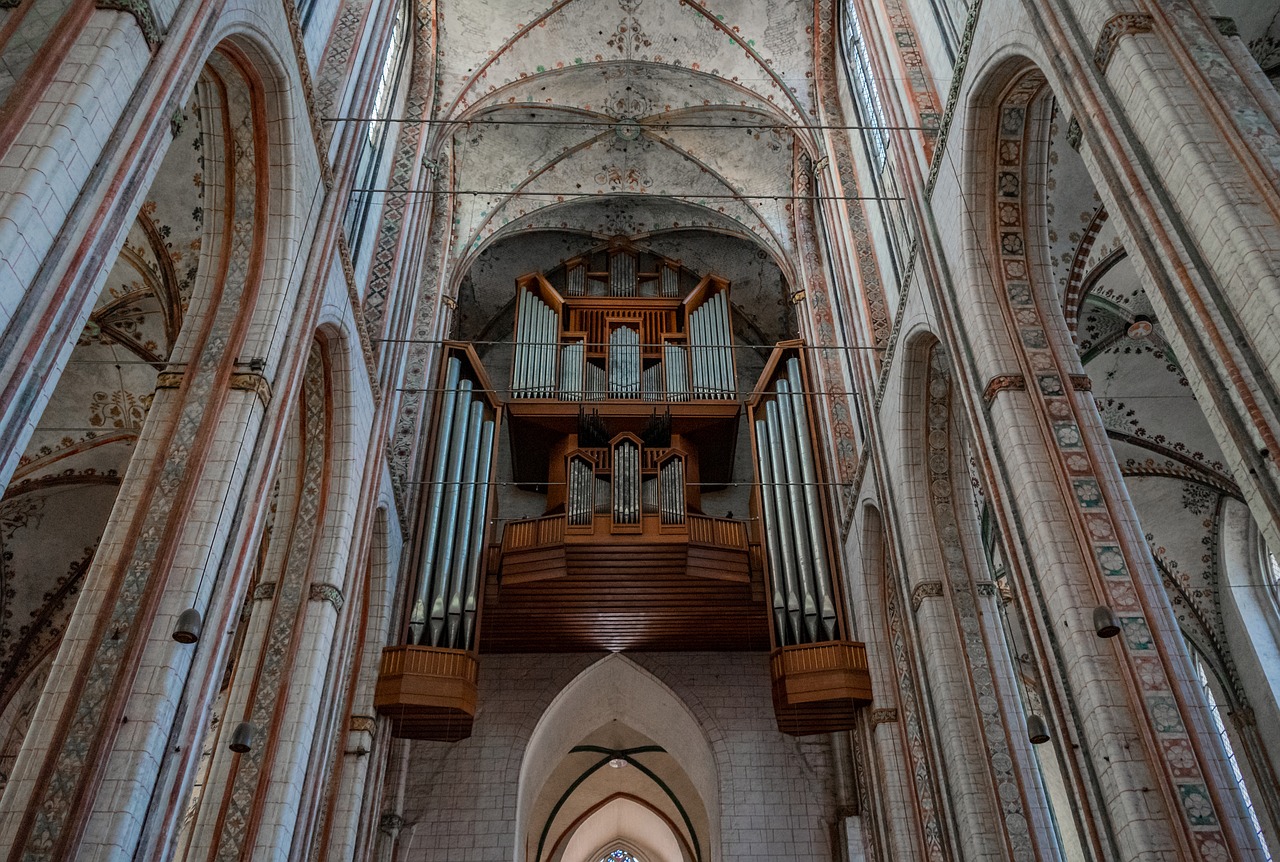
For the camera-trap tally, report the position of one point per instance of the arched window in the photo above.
(1221, 727)
(619, 855)
(861, 79)
(370, 165)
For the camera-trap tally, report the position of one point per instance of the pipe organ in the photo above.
(819, 676)
(427, 686)
(655, 348)
(623, 413)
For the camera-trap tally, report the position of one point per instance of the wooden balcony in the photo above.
(567, 588)
(427, 692)
(817, 687)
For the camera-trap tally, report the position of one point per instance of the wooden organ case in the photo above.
(427, 686)
(819, 675)
(623, 410)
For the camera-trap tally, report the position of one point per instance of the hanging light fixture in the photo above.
(241, 738)
(1037, 730)
(1105, 622)
(189, 626)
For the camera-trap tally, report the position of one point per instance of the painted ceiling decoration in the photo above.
(561, 115)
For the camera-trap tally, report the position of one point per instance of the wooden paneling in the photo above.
(609, 591)
(427, 692)
(817, 687)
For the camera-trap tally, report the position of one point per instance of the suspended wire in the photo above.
(580, 193)
(663, 125)
(605, 344)
(548, 484)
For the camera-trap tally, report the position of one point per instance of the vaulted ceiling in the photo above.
(625, 117)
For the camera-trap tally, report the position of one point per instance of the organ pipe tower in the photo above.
(622, 409)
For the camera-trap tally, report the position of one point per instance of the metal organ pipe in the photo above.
(671, 479)
(453, 486)
(581, 489)
(697, 352)
(649, 490)
(446, 594)
(520, 362)
(624, 363)
(710, 355)
(730, 382)
(818, 547)
(547, 378)
(670, 280)
(800, 513)
(534, 372)
(454, 571)
(571, 359)
(480, 508)
(536, 348)
(674, 362)
(626, 483)
(724, 375)
(651, 383)
(622, 272)
(786, 604)
(596, 385)
(795, 565)
(418, 616)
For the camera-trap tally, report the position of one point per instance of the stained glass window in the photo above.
(619, 856)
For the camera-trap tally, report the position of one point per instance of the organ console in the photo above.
(623, 411)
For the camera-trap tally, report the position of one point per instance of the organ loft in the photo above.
(624, 395)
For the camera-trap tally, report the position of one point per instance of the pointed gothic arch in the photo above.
(616, 689)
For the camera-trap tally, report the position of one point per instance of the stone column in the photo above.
(1163, 791)
(73, 160)
(1186, 153)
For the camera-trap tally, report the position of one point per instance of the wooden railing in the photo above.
(433, 662)
(533, 533)
(818, 657)
(721, 532)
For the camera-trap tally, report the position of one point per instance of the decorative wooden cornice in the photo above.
(141, 12)
(1002, 383)
(1126, 24)
(925, 590)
